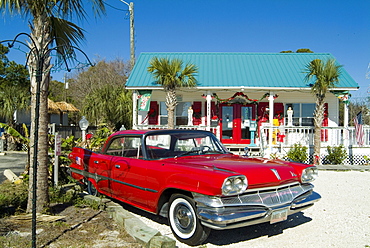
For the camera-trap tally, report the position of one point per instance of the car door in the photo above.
(100, 171)
(128, 172)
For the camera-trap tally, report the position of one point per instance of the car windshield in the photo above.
(167, 145)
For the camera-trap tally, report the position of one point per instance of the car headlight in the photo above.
(309, 174)
(234, 185)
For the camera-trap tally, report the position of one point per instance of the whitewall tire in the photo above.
(184, 222)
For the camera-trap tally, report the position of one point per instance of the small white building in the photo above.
(244, 98)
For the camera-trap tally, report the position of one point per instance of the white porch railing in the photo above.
(214, 130)
(330, 136)
(283, 139)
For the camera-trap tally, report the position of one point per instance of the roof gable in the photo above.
(229, 70)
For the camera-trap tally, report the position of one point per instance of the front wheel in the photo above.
(184, 222)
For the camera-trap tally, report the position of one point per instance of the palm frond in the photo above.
(65, 34)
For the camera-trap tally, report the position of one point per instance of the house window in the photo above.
(181, 113)
(163, 117)
(302, 113)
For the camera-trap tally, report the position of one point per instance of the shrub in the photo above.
(336, 154)
(298, 153)
(13, 195)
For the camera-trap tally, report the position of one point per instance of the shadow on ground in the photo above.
(217, 237)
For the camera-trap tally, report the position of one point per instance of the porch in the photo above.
(283, 139)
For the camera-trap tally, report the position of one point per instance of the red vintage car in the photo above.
(189, 177)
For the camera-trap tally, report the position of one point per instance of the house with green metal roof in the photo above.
(238, 94)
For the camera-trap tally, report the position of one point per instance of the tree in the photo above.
(49, 25)
(171, 75)
(100, 93)
(301, 50)
(57, 91)
(360, 104)
(326, 77)
(304, 50)
(104, 73)
(110, 104)
(14, 87)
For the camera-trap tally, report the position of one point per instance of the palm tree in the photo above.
(49, 26)
(326, 77)
(171, 75)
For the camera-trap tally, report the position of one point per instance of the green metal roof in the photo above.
(235, 70)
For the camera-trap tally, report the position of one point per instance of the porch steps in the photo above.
(254, 151)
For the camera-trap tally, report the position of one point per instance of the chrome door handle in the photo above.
(96, 162)
(117, 166)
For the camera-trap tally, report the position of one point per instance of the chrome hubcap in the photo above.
(184, 219)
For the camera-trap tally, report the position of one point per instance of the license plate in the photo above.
(279, 215)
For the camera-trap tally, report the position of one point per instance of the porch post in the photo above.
(134, 110)
(271, 118)
(209, 99)
(345, 121)
(345, 125)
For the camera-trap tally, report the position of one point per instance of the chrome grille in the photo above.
(268, 197)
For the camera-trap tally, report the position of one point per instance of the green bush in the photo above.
(13, 195)
(298, 153)
(336, 154)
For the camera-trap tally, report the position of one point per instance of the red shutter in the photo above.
(324, 132)
(261, 110)
(197, 113)
(279, 112)
(153, 113)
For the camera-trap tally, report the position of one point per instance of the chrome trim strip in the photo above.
(98, 178)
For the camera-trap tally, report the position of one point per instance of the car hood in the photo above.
(260, 172)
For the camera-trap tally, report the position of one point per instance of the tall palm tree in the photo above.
(171, 75)
(326, 77)
(49, 26)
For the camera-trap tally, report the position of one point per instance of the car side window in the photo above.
(158, 146)
(129, 147)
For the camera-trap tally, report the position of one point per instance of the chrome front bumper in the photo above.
(255, 206)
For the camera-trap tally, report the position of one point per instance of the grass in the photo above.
(83, 225)
(13, 198)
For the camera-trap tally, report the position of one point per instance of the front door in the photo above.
(238, 123)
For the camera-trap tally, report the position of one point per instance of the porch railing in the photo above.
(283, 139)
(214, 130)
(330, 136)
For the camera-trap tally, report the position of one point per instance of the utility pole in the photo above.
(132, 32)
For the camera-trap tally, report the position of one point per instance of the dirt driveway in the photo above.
(340, 219)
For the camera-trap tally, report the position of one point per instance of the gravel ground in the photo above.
(340, 219)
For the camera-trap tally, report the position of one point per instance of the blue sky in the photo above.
(341, 28)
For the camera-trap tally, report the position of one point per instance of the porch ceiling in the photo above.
(236, 70)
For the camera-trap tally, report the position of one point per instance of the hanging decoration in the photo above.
(267, 95)
(343, 96)
(239, 95)
(144, 100)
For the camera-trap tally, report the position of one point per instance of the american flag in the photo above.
(359, 129)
